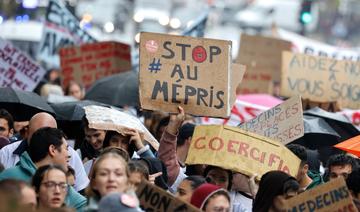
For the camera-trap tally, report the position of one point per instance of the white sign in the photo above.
(17, 69)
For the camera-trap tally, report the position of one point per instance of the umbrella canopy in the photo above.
(73, 111)
(351, 145)
(118, 90)
(338, 122)
(23, 104)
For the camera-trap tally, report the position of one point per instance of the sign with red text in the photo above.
(321, 79)
(90, 62)
(194, 73)
(283, 122)
(331, 196)
(17, 69)
(240, 151)
(262, 57)
(153, 198)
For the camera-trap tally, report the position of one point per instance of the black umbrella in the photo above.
(118, 90)
(23, 104)
(321, 134)
(69, 116)
(338, 122)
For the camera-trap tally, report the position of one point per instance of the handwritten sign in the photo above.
(283, 122)
(17, 69)
(331, 196)
(237, 72)
(321, 79)
(153, 198)
(191, 72)
(104, 118)
(262, 57)
(235, 149)
(90, 62)
(61, 29)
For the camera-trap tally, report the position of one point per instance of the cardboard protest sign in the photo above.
(153, 198)
(93, 61)
(183, 71)
(103, 118)
(61, 29)
(331, 196)
(17, 69)
(241, 151)
(262, 58)
(301, 44)
(283, 122)
(237, 72)
(321, 79)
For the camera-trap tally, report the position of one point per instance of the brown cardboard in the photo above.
(262, 58)
(283, 122)
(331, 196)
(201, 88)
(90, 62)
(240, 151)
(238, 72)
(321, 79)
(153, 198)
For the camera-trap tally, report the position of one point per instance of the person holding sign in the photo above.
(274, 188)
(305, 177)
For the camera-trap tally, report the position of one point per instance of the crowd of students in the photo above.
(101, 172)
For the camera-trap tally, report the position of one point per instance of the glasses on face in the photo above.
(53, 185)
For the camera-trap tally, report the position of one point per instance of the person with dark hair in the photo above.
(157, 171)
(187, 187)
(19, 192)
(6, 124)
(47, 146)
(51, 186)
(70, 176)
(340, 165)
(138, 173)
(306, 178)
(208, 197)
(353, 183)
(10, 154)
(92, 145)
(160, 128)
(274, 188)
(218, 176)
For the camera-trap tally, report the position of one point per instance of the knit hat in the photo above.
(203, 193)
(119, 202)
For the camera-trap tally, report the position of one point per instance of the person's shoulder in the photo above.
(12, 173)
(75, 199)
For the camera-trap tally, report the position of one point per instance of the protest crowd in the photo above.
(188, 128)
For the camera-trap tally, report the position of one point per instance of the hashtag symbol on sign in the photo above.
(155, 66)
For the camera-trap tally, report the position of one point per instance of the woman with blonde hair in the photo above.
(109, 174)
